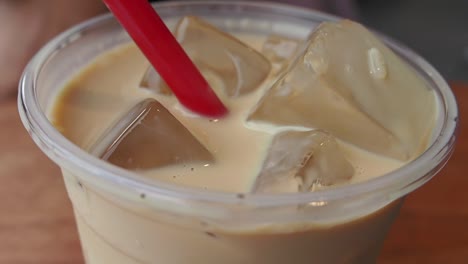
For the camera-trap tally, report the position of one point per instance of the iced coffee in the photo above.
(329, 127)
(334, 109)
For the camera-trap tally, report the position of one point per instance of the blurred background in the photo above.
(437, 30)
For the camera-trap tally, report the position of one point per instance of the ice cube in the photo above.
(297, 161)
(149, 136)
(229, 65)
(349, 83)
(279, 50)
(222, 58)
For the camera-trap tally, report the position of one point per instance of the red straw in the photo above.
(166, 55)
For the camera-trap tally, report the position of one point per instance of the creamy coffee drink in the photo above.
(305, 115)
(327, 132)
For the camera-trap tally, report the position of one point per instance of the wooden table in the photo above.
(37, 226)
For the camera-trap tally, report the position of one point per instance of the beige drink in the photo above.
(336, 220)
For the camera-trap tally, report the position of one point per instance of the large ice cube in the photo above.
(227, 63)
(149, 136)
(349, 83)
(279, 50)
(297, 161)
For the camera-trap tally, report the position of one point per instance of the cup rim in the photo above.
(69, 156)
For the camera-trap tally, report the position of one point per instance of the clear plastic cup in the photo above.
(124, 218)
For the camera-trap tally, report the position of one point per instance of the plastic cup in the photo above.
(123, 218)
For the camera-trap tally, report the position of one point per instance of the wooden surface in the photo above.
(37, 226)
